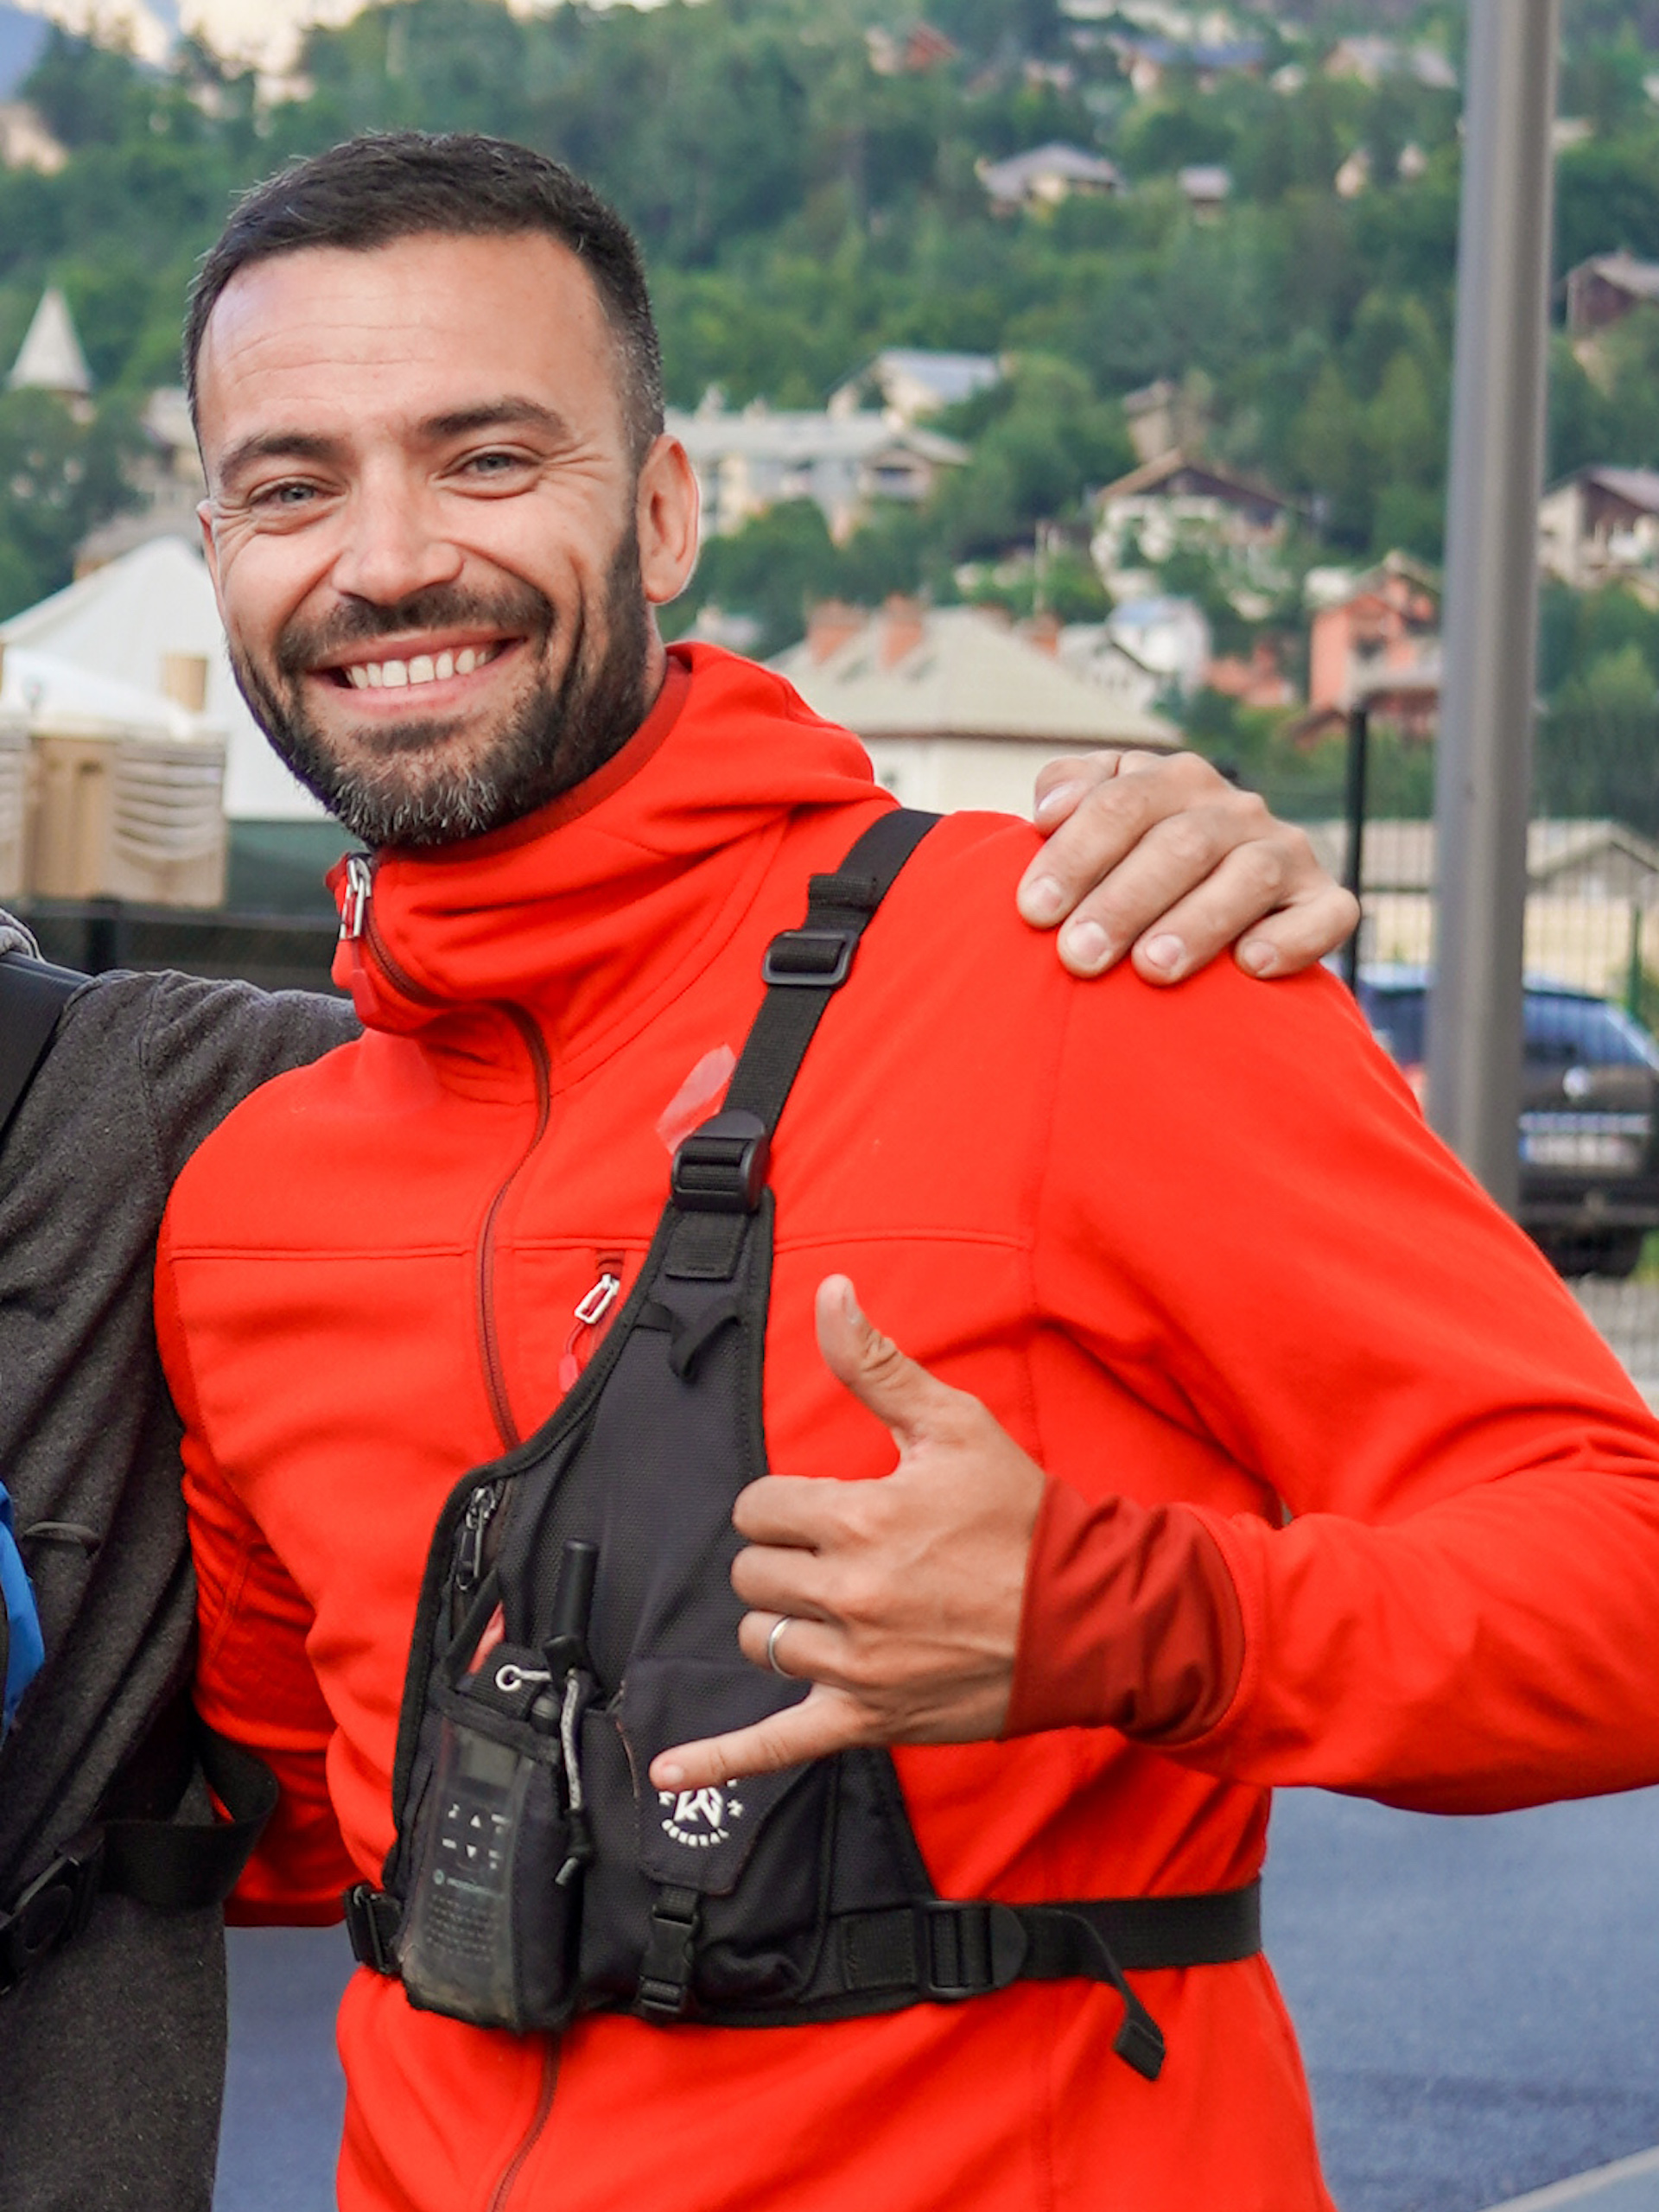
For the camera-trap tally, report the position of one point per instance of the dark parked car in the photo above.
(1589, 1114)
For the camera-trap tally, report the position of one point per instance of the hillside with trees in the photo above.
(804, 202)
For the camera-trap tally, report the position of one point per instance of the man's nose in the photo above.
(394, 543)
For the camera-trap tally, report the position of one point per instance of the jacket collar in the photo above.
(601, 908)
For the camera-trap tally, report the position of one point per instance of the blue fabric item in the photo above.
(25, 1651)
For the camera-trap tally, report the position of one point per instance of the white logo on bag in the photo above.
(698, 1817)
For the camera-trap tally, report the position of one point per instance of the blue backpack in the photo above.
(36, 996)
(21, 1648)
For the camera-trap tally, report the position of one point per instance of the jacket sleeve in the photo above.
(254, 1680)
(1447, 1570)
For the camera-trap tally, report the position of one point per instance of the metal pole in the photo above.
(1359, 731)
(1483, 774)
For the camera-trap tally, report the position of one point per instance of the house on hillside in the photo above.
(1166, 635)
(1206, 187)
(1604, 288)
(1177, 502)
(1601, 525)
(908, 382)
(1145, 59)
(749, 462)
(1369, 58)
(1374, 633)
(50, 358)
(1046, 176)
(908, 49)
(956, 708)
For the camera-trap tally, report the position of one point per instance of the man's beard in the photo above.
(393, 790)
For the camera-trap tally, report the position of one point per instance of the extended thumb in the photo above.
(896, 1390)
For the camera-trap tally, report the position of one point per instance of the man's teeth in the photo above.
(425, 668)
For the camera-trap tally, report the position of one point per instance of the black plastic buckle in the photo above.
(966, 1949)
(722, 1167)
(670, 1955)
(372, 1921)
(53, 1910)
(814, 960)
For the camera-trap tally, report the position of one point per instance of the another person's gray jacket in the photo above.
(112, 2052)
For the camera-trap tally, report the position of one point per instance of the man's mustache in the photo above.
(526, 613)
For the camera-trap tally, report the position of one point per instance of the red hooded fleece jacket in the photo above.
(1192, 1248)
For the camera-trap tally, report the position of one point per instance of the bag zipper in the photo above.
(357, 922)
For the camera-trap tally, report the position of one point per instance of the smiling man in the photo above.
(111, 1999)
(769, 1823)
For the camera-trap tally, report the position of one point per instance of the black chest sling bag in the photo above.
(578, 1618)
(133, 1847)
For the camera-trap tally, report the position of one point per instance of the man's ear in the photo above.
(666, 513)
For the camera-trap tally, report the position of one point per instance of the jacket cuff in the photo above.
(1130, 1620)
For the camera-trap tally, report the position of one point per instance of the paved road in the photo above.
(1479, 2001)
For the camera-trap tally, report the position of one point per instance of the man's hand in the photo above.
(902, 1596)
(1159, 853)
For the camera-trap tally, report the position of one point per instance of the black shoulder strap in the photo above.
(33, 995)
(720, 1170)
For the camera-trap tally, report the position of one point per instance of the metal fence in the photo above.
(1587, 1142)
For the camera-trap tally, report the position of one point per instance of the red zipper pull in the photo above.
(590, 1310)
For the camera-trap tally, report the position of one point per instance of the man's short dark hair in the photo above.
(376, 189)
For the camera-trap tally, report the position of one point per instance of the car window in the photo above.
(1564, 1031)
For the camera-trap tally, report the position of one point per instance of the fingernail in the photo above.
(1258, 957)
(849, 1305)
(1042, 900)
(1054, 802)
(670, 1777)
(1087, 946)
(1164, 952)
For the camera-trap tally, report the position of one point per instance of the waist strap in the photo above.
(940, 1950)
(947, 1949)
(170, 1866)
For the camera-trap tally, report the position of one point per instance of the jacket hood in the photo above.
(621, 889)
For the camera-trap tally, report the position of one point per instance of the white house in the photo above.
(956, 708)
(1046, 176)
(910, 381)
(746, 462)
(1601, 525)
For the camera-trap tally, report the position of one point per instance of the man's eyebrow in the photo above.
(273, 445)
(497, 414)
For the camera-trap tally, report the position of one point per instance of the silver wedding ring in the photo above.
(778, 1628)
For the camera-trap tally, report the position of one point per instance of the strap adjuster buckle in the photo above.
(965, 1950)
(722, 1167)
(670, 1955)
(810, 959)
(372, 1920)
(55, 1907)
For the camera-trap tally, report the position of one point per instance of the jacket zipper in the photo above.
(358, 921)
(502, 2193)
(589, 1311)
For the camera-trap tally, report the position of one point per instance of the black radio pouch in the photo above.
(577, 1618)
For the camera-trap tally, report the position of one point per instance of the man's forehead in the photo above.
(419, 323)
